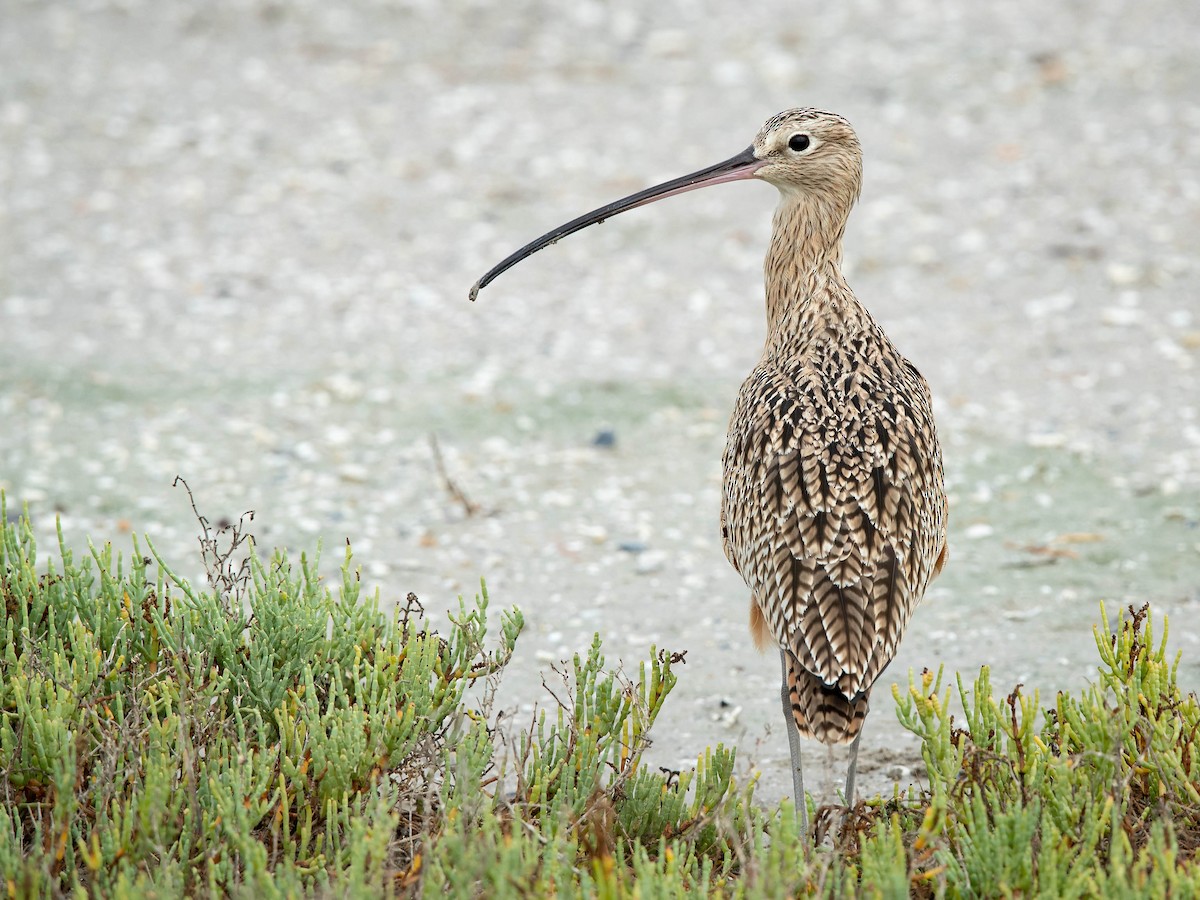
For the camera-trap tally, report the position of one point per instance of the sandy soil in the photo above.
(236, 241)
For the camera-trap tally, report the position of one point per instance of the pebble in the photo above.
(649, 562)
(1121, 316)
(1053, 305)
(353, 473)
(1122, 274)
(1019, 615)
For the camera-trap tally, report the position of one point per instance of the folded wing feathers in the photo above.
(829, 519)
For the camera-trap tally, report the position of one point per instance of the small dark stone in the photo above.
(631, 547)
(606, 437)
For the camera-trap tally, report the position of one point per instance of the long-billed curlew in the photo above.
(833, 509)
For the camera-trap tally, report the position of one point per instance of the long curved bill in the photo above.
(736, 168)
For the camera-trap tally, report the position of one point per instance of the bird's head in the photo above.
(811, 152)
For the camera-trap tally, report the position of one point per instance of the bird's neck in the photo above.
(803, 268)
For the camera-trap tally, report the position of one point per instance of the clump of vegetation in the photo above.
(269, 736)
(1096, 798)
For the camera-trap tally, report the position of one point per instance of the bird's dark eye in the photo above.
(799, 142)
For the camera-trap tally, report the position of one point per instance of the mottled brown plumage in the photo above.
(833, 508)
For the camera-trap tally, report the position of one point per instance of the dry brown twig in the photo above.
(219, 567)
(470, 507)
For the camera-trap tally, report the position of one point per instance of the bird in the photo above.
(833, 506)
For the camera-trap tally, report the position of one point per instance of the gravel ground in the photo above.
(236, 241)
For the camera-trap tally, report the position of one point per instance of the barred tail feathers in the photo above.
(822, 711)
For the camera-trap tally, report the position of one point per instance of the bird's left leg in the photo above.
(793, 748)
(852, 771)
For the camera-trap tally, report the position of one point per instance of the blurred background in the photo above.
(236, 240)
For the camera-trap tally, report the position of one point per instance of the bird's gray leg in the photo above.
(852, 770)
(793, 748)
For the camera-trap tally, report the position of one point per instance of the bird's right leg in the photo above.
(850, 773)
(793, 748)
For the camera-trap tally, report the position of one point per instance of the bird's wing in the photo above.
(834, 510)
